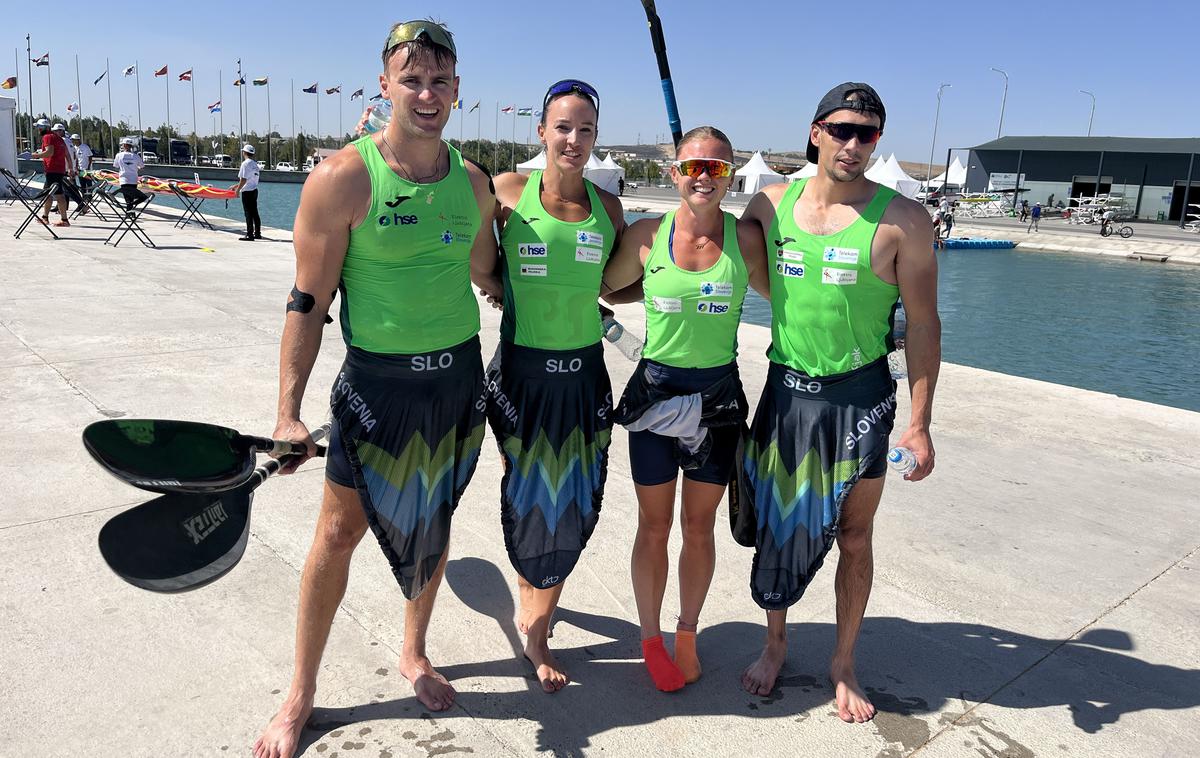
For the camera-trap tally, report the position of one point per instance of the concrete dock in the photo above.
(1037, 596)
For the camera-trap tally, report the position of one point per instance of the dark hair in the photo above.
(421, 49)
(704, 132)
(582, 96)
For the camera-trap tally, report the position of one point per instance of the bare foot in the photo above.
(431, 688)
(549, 672)
(279, 739)
(759, 677)
(853, 705)
(525, 616)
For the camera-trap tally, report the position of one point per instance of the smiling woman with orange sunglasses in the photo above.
(684, 404)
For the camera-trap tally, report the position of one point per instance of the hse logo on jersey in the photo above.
(397, 219)
(590, 238)
(667, 304)
(839, 276)
(712, 308)
(787, 268)
(587, 254)
(840, 255)
(532, 250)
(717, 289)
(529, 269)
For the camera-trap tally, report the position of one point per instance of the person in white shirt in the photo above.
(83, 163)
(1106, 220)
(128, 163)
(248, 187)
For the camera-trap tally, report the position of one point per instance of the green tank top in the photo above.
(406, 280)
(552, 272)
(692, 316)
(830, 313)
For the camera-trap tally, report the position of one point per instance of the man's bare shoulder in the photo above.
(774, 192)
(906, 214)
(344, 171)
(509, 187)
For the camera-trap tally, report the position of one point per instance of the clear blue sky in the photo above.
(754, 68)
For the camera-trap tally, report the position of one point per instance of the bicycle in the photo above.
(1125, 230)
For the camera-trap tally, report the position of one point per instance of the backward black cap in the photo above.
(868, 101)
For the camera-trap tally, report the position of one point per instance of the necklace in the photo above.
(408, 173)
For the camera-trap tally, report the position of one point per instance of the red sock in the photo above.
(666, 675)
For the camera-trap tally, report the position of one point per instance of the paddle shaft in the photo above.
(282, 449)
(664, 70)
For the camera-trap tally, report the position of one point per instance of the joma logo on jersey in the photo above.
(784, 268)
(712, 308)
(397, 219)
(532, 250)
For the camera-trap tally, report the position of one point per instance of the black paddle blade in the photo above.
(170, 456)
(179, 541)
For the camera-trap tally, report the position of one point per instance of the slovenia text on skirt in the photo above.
(551, 412)
(411, 427)
(811, 441)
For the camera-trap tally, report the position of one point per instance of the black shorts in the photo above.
(58, 181)
(653, 459)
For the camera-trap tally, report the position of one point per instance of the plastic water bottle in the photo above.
(896, 360)
(902, 460)
(897, 364)
(380, 115)
(629, 345)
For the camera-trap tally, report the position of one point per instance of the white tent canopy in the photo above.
(807, 171)
(887, 172)
(957, 172)
(756, 174)
(598, 172)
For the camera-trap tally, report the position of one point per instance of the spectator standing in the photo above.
(54, 159)
(1035, 216)
(247, 186)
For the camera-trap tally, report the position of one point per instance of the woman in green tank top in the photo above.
(694, 264)
(550, 401)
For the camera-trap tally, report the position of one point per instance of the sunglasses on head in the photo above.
(695, 167)
(573, 85)
(409, 31)
(867, 134)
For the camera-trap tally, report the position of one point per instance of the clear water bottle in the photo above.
(379, 116)
(897, 364)
(629, 345)
(902, 460)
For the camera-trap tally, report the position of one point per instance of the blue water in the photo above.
(1111, 325)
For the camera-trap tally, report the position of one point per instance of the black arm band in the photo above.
(301, 302)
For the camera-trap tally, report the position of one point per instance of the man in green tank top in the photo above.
(841, 249)
(400, 224)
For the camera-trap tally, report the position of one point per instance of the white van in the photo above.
(223, 161)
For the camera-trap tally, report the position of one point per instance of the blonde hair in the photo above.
(705, 132)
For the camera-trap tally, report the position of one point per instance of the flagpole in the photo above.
(514, 140)
(167, 84)
(195, 128)
(240, 85)
(270, 163)
(49, 87)
(17, 69)
(529, 132)
(137, 79)
(29, 69)
(341, 125)
(462, 115)
(496, 146)
(79, 101)
(108, 78)
(318, 94)
(221, 100)
(478, 136)
(292, 89)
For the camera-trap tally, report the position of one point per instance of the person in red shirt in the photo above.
(54, 157)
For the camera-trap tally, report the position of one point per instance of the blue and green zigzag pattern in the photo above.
(410, 487)
(552, 479)
(804, 498)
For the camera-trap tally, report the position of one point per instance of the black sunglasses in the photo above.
(867, 134)
(573, 85)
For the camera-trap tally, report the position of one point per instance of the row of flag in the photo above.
(519, 111)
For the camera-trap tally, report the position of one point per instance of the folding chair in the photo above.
(107, 205)
(128, 222)
(34, 206)
(16, 186)
(191, 209)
